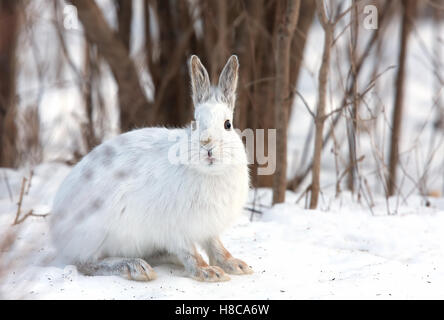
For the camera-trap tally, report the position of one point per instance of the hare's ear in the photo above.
(228, 80)
(200, 81)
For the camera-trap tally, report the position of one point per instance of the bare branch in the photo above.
(305, 104)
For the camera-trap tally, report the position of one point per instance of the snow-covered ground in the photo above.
(340, 251)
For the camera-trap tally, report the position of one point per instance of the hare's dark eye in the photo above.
(227, 125)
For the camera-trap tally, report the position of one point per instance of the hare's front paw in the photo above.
(235, 266)
(211, 274)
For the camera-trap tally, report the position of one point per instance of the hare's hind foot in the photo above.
(219, 256)
(235, 266)
(128, 268)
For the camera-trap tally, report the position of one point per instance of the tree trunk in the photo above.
(134, 106)
(124, 16)
(88, 128)
(8, 38)
(256, 90)
(322, 96)
(352, 124)
(305, 20)
(287, 19)
(407, 20)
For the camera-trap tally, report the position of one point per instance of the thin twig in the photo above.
(29, 182)
(19, 204)
(5, 178)
(253, 210)
(30, 214)
(305, 103)
(303, 193)
(361, 158)
(254, 204)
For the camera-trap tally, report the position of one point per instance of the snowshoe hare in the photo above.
(126, 201)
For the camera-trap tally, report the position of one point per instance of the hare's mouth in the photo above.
(211, 160)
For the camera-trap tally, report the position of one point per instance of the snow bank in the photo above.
(345, 252)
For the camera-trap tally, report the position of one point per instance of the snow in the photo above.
(341, 251)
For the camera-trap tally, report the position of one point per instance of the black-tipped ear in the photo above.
(228, 80)
(200, 81)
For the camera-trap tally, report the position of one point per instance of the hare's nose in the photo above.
(205, 141)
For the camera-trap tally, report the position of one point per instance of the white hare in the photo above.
(126, 201)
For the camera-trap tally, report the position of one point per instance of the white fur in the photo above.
(126, 199)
